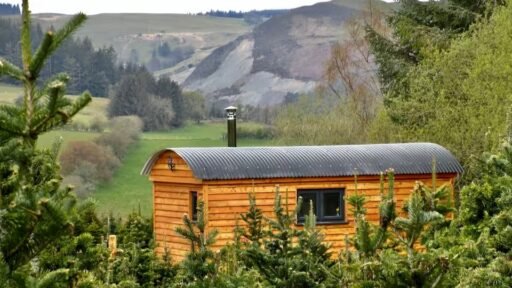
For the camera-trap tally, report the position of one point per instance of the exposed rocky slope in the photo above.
(285, 54)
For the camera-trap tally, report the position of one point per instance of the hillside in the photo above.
(134, 36)
(285, 54)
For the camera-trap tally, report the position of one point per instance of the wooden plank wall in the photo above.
(228, 199)
(171, 200)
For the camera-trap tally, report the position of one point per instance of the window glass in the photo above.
(327, 205)
(331, 204)
(193, 205)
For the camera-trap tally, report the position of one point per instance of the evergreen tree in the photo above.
(171, 91)
(34, 210)
(199, 265)
(481, 237)
(287, 256)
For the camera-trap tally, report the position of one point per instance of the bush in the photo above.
(98, 125)
(124, 131)
(117, 141)
(255, 132)
(82, 188)
(131, 126)
(102, 158)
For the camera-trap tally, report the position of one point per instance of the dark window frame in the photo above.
(319, 205)
(193, 205)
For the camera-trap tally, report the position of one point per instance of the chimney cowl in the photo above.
(231, 112)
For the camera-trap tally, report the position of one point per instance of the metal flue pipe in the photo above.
(231, 119)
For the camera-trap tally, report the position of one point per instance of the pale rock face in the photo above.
(286, 54)
(233, 69)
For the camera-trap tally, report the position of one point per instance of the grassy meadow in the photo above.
(128, 189)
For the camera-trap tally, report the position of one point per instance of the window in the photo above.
(328, 205)
(193, 205)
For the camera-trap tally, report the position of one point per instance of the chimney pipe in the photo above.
(231, 117)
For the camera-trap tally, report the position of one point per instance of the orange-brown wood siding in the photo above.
(225, 200)
(171, 200)
(228, 199)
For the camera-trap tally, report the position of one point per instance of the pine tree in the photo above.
(287, 256)
(34, 211)
(199, 264)
(254, 221)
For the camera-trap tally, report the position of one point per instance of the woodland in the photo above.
(441, 72)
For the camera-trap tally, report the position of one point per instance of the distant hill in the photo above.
(135, 36)
(285, 54)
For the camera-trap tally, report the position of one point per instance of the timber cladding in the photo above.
(175, 187)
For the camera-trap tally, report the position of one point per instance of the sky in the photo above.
(156, 6)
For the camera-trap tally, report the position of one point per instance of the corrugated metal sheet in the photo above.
(313, 161)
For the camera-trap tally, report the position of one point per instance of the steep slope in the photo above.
(285, 54)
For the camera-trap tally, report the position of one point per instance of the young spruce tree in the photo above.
(34, 210)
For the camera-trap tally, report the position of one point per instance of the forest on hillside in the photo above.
(435, 71)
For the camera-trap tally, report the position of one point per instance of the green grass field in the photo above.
(128, 189)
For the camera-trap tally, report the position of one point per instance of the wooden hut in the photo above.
(224, 178)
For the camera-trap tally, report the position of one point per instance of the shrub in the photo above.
(130, 125)
(77, 152)
(98, 125)
(81, 188)
(124, 131)
(255, 132)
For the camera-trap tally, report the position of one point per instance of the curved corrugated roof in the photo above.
(312, 161)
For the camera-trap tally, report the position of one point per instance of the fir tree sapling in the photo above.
(199, 263)
(34, 211)
(285, 255)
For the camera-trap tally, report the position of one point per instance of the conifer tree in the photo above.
(287, 256)
(34, 211)
(199, 264)
(254, 221)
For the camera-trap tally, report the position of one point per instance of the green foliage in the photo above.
(137, 231)
(369, 240)
(195, 106)
(317, 121)
(419, 29)
(103, 160)
(159, 103)
(199, 265)
(89, 68)
(387, 254)
(34, 211)
(448, 63)
(284, 255)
